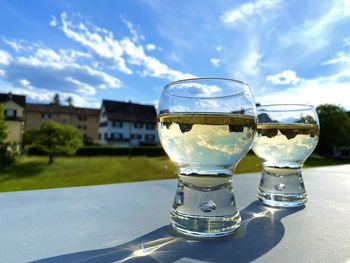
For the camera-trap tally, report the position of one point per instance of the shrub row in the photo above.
(151, 151)
(121, 151)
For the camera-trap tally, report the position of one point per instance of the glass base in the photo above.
(284, 200)
(205, 206)
(204, 226)
(282, 187)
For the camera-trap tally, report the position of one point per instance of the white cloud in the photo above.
(174, 57)
(311, 35)
(215, 62)
(249, 64)
(53, 21)
(103, 43)
(104, 46)
(346, 41)
(285, 77)
(330, 89)
(82, 87)
(347, 7)
(151, 47)
(65, 61)
(5, 57)
(198, 89)
(247, 10)
(155, 103)
(152, 66)
(136, 36)
(45, 71)
(15, 45)
(341, 57)
(2, 73)
(24, 82)
(46, 96)
(218, 48)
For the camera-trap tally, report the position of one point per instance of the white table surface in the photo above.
(109, 223)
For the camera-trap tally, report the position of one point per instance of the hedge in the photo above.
(150, 151)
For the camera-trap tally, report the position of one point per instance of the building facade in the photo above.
(84, 119)
(125, 123)
(14, 106)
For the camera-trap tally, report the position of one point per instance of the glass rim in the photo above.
(173, 83)
(285, 107)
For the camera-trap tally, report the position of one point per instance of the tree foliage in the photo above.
(3, 128)
(334, 128)
(54, 139)
(7, 157)
(56, 99)
(70, 101)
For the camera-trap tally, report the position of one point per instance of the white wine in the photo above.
(205, 148)
(283, 148)
(205, 143)
(285, 145)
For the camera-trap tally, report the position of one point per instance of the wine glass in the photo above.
(286, 135)
(206, 126)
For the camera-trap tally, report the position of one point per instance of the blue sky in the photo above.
(287, 51)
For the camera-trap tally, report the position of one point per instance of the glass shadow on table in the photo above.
(260, 231)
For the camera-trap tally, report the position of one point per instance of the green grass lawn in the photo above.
(35, 173)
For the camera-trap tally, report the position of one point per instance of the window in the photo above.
(136, 136)
(64, 121)
(82, 118)
(10, 113)
(150, 126)
(138, 125)
(82, 127)
(117, 124)
(46, 116)
(345, 152)
(99, 136)
(103, 124)
(106, 136)
(150, 137)
(117, 135)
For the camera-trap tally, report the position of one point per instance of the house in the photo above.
(14, 106)
(124, 123)
(85, 119)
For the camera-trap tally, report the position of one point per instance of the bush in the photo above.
(7, 158)
(120, 151)
(32, 150)
(148, 151)
(334, 130)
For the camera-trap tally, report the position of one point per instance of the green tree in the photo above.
(54, 139)
(70, 101)
(7, 158)
(3, 128)
(56, 99)
(334, 128)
